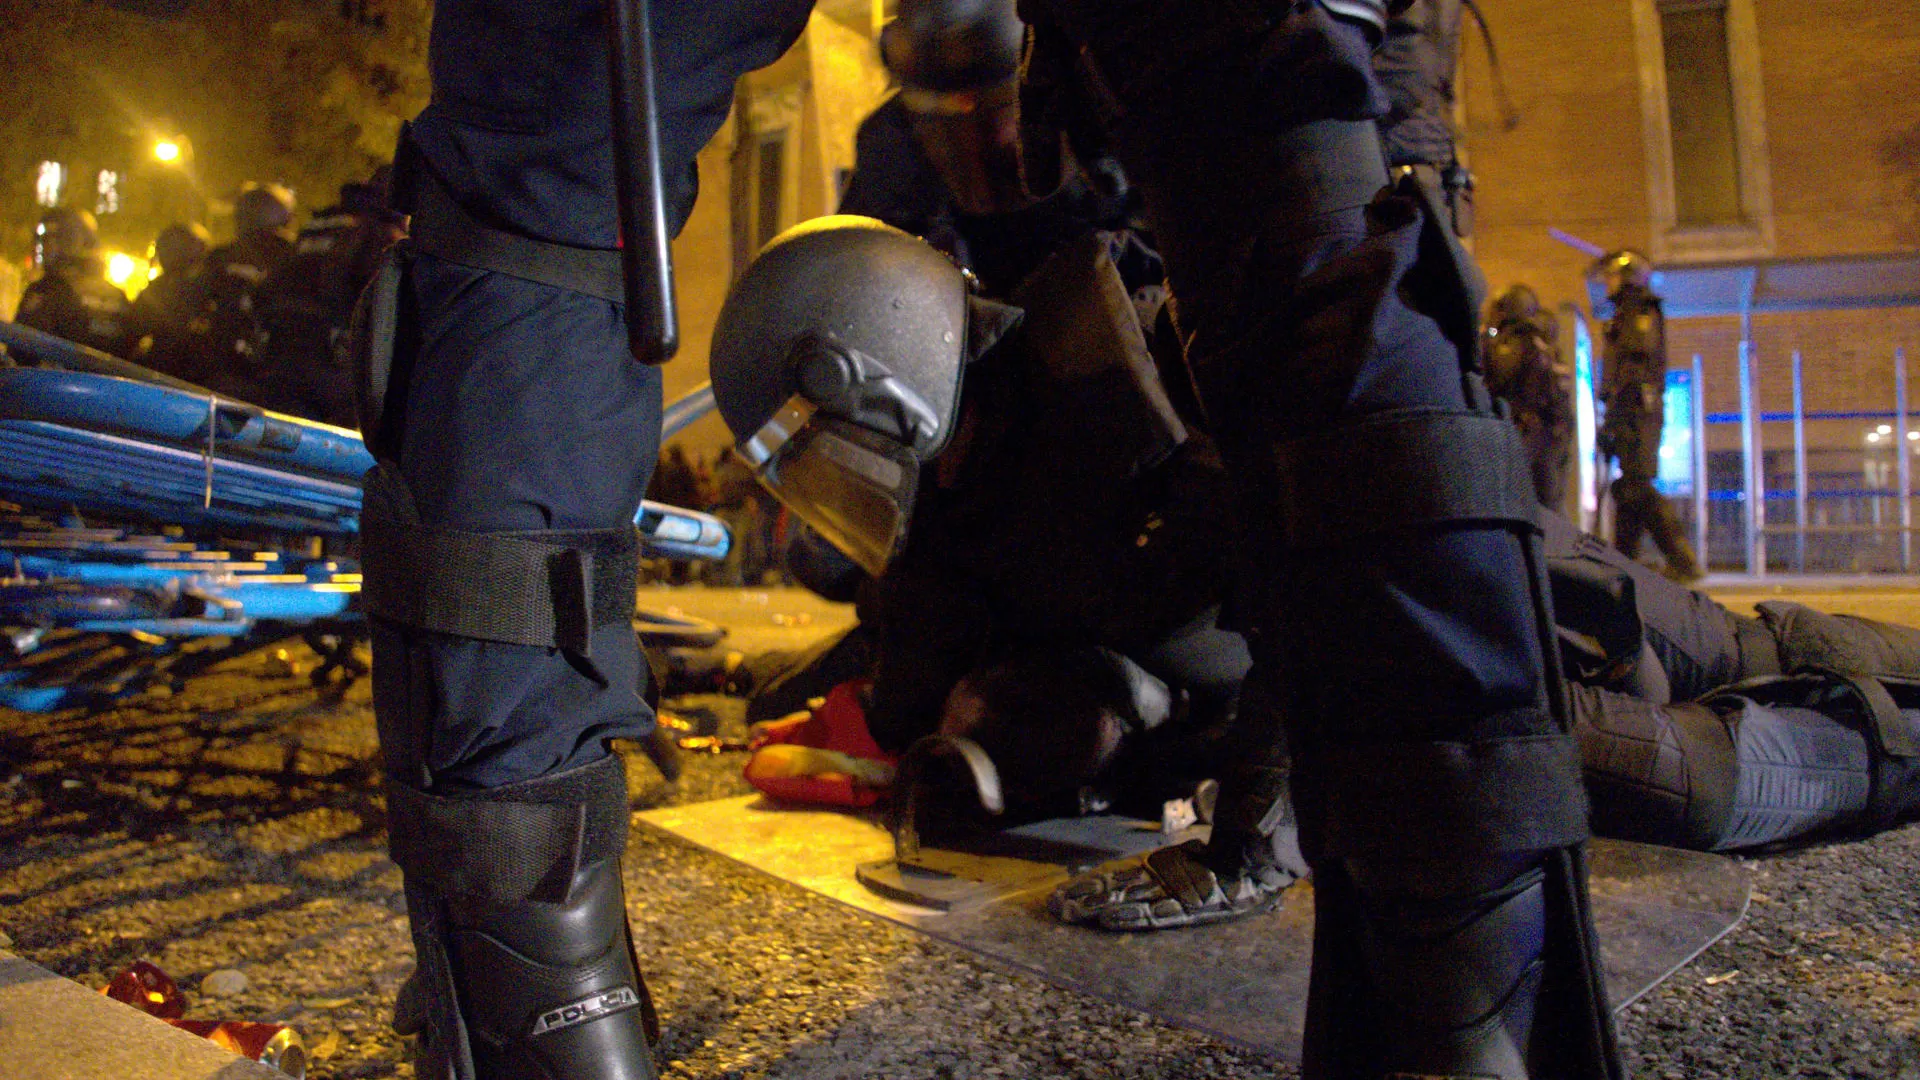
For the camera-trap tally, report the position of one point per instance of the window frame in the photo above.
(1753, 236)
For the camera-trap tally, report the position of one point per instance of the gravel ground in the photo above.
(239, 826)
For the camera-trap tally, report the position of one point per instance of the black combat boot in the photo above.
(526, 968)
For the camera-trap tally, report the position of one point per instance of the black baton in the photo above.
(646, 252)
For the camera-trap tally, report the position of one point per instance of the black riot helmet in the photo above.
(958, 65)
(262, 208)
(1623, 269)
(836, 364)
(1516, 303)
(64, 232)
(179, 247)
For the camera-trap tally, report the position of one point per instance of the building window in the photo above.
(1705, 129)
(770, 186)
(1706, 150)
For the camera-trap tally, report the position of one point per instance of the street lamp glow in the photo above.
(1885, 429)
(120, 268)
(166, 150)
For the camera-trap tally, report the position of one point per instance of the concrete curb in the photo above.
(55, 1029)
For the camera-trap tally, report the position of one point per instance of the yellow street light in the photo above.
(166, 150)
(127, 272)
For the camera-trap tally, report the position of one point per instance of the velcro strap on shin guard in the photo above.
(511, 844)
(1402, 470)
(547, 589)
(1495, 796)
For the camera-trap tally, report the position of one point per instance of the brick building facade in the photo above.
(1706, 131)
(1697, 130)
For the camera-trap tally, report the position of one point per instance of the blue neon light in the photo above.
(1675, 478)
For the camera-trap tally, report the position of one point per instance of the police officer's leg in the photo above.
(504, 663)
(1439, 795)
(1773, 760)
(1632, 499)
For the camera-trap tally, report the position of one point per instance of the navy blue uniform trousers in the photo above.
(525, 411)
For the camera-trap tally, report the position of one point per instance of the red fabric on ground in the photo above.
(839, 724)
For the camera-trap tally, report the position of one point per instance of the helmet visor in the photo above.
(855, 487)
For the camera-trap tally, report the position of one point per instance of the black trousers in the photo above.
(526, 411)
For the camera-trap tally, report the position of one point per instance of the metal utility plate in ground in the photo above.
(1245, 982)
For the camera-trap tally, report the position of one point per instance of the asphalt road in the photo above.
(238, 825)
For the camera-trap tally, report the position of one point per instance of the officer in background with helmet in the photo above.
(166, 307)
(303, 307)
(1633, 387)
(73, 298)
(1520, 350)
(225, 330)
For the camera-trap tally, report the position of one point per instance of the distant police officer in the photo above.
(1521, 353)
(303, 307)
(73, 298)
(1634, 389)
(166, 306)
(226, 331)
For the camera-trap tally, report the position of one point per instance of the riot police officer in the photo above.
(1521, 353)
(226, 331)
(166, 307)
(73, 298)
(895, 182)
(1634, 389)
(303, 306)
(978, 558)
(1330, 330)
(1415, 65)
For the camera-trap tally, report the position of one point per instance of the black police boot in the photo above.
(1450, 959)
(526, 968)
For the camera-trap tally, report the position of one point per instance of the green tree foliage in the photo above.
(309, 93)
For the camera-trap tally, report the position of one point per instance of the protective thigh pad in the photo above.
(1658, 774)
(548, 589)
(1411, 471)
